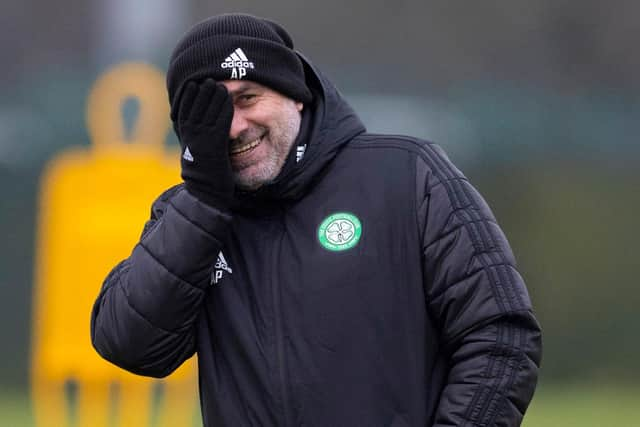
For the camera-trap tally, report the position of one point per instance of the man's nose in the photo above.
(238, 124)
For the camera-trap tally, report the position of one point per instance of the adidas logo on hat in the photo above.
(238, 62)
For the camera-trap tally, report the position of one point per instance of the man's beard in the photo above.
(279, 139)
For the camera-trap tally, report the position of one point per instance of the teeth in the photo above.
(245, 147)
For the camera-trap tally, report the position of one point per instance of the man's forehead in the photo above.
(237, 86)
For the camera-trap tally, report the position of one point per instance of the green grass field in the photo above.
(553, 406)
(584, 406)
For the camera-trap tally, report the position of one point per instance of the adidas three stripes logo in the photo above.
(238, 62)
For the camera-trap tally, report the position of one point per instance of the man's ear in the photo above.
(299, 106)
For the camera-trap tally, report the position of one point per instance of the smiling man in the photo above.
(264, 127)
(325, 276)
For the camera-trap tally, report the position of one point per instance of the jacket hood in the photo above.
(328, 123)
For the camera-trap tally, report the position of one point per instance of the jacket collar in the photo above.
(328, 123)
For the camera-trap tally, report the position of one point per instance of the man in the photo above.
(325, 276)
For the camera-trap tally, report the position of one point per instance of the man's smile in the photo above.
(244, 147)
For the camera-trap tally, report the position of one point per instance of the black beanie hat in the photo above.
(238, 46)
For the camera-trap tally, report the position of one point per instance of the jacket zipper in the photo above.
(279, 334)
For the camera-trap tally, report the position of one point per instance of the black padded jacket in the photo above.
(369, 285)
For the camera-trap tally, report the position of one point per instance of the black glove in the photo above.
(202, 118)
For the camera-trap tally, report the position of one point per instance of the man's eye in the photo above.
(245, 98)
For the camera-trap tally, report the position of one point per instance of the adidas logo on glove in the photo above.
(187, 155)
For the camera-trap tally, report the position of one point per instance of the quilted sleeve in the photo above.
(478, 299)
(144, 317)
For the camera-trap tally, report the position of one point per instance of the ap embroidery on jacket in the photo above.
(219, 269)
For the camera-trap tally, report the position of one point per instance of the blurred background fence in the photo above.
(538, 102)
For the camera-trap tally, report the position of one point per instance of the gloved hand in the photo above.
(202, 118)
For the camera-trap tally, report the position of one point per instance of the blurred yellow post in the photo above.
(93, 205)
